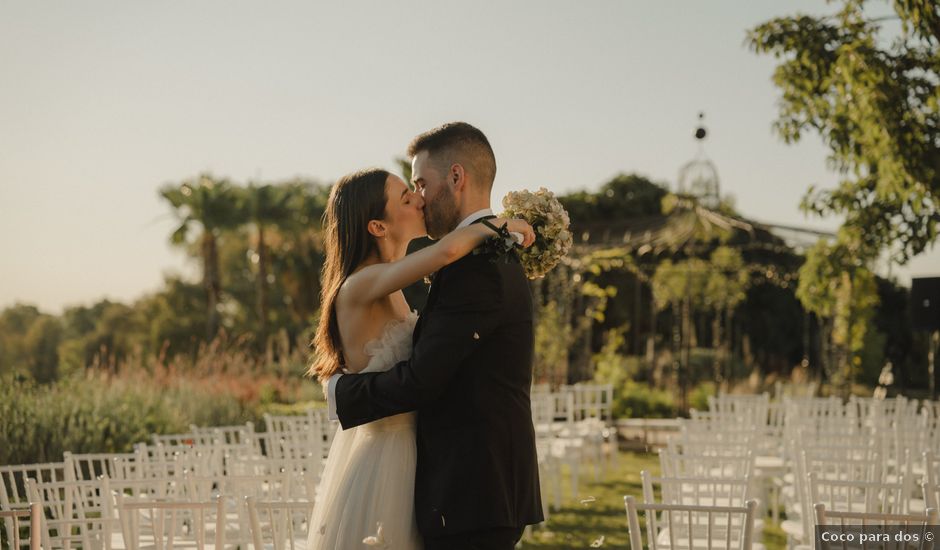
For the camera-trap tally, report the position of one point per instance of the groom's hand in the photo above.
(329, 393)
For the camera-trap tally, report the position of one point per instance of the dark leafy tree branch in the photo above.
(876, 107)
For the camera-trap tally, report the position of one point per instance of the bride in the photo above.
(367, 484)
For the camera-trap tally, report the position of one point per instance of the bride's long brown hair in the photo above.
(354, 200)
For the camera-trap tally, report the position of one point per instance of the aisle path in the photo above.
(599, 511)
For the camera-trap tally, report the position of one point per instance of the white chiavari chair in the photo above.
(693, 431)
(690, 527)
(152, 488)
(234, 489)
(836, 463)
(236, 439)
(593, 416)
(189, 439)
(841, 523)
(569, 445)
(875, 412)
(13, 495)
(930, 408)
(858, 496)
(90, 466)
(742, 409)
(699, 491)
(164, 525)
(550, 478)
(33, 518)
(77, 513)
(177, 460)
(239, 433)
(697, 446)
(549, 464)
(817, 415)
(279, 525)
(746, 418)
(693, 465)
(695, 490)
(295, 437)
(305, 473)
(931, 483)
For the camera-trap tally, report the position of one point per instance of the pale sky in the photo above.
(103, 102)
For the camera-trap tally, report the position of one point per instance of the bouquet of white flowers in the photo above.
(549, 220)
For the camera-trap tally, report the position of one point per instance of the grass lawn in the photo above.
(579, 525)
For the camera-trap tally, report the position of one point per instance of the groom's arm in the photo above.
(466, 312)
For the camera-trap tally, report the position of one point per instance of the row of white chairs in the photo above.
(82, 496)
(697, 527)
(865, 456)
(78, 496)
(692, 506)
(33, 525)
(573, 426)
(86, 513)
(146, 523)
(870, 455)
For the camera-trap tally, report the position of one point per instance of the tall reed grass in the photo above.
(110, 409)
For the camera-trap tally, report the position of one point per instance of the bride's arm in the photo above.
(378, 280)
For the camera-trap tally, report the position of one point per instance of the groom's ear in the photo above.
(376, 228)
(457, 178)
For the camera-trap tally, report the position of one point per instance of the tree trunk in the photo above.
(825, 344)
(685, 356)
(729, 344)
(636, 314)
(211, 283)
(652, 364)
(262, 285)
(677, 342)
(716, 346)
(849, 372)
(574, 315)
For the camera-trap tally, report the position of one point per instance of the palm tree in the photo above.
(267, 206)
(212, 204)
(301, 269)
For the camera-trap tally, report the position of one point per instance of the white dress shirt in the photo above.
(331, 383)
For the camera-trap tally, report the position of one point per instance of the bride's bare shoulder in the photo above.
(346, 291)
(357, 284)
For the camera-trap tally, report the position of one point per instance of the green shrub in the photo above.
(698, 397)
(636, 400)
(102, 413)
(632, 399)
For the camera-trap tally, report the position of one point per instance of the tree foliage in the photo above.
(625, 196)
(728, 281)
(848, 296)
(597, 289)
(874, 100)
(213, 205)
(839, 289)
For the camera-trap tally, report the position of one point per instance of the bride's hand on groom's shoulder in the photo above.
(520, 226)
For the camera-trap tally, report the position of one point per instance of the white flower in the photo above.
(378, 539)
(550, 221)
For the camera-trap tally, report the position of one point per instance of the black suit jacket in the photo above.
(469, 378)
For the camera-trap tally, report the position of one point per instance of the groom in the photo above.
(477, 483)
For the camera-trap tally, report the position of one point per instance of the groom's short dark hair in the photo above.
(461, 143)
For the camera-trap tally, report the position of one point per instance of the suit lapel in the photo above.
(434, 290)
(428, 304)
(436, 281)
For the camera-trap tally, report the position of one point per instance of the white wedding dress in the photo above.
(369, 475)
